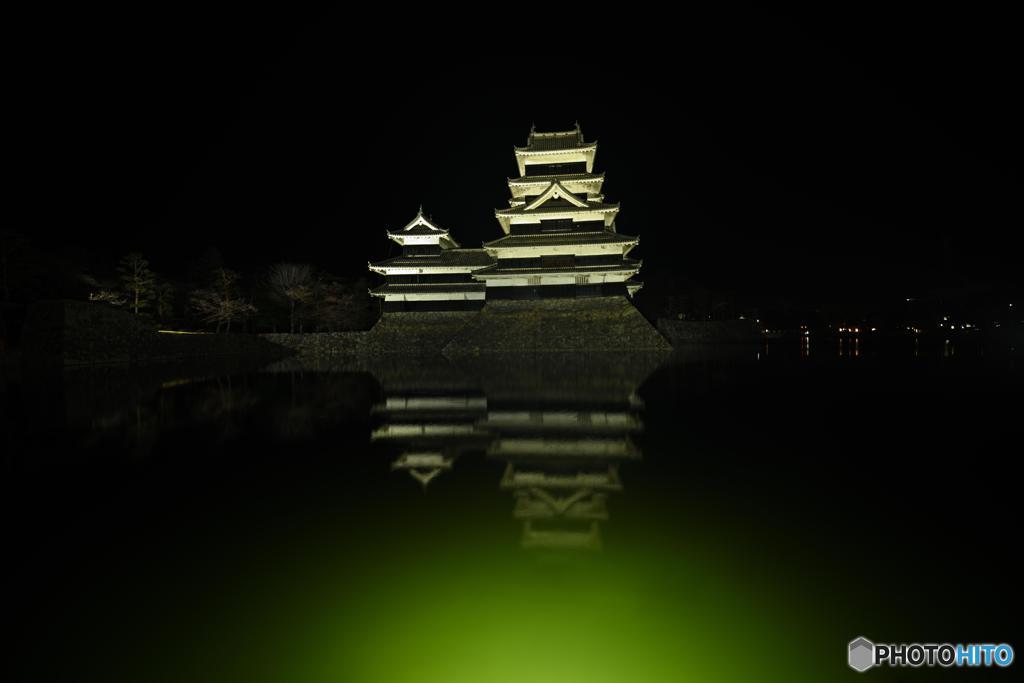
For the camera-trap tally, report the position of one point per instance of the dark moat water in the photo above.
(730, 514)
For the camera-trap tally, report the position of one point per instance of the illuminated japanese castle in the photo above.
(559, 241)
(560, 238)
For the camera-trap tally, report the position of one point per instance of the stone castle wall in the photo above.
(591, 324)
(76, 333)
(502, 326)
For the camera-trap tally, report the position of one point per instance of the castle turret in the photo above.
(433, 273)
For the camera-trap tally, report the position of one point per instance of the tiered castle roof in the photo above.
(560, 237)
(556, 147)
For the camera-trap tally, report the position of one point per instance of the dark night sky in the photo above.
(806, 156)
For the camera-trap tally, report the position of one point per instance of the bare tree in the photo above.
(339, 305)
(220, 303)
(137, 281)
(164, 295)
(327, 303)
(293, 284)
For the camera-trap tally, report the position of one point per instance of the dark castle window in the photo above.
(421, 250)
(519, 262)
(558, 261)
(556, 169)
(558, 225)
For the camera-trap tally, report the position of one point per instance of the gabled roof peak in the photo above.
(555, 191)
(421, 221)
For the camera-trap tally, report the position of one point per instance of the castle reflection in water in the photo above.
(561, 425)
(552, 432)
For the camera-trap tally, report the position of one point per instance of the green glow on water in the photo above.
(285, 549)
(493, 618)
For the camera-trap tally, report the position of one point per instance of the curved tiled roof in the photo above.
(519, 210)
(561, 238)
(554, 140)
(565, 177)
(627, 264)
(447, 257)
